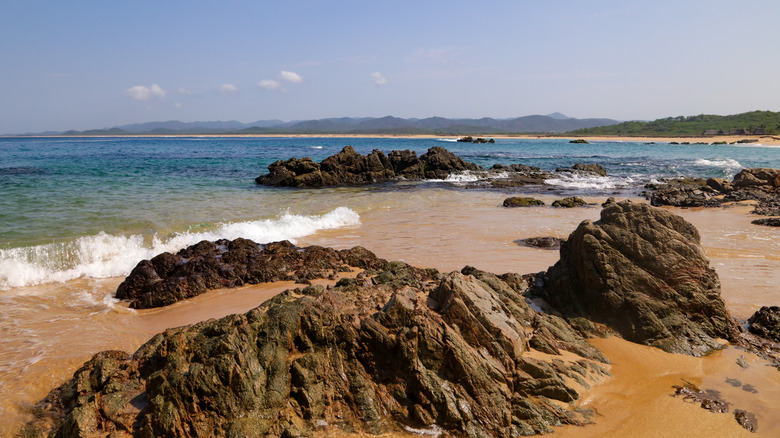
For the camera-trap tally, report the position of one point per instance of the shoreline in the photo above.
(767, 140)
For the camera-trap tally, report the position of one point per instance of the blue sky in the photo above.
(82, 65)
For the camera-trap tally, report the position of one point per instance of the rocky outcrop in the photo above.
(367, 356)
(168, 278)
(350, 168)
(470, 139)
(766, 323)
(760, 184)
(641, 271)
(522, 201)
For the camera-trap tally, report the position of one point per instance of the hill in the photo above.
(555, 123)
(750, 123)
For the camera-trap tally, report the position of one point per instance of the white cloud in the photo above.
(269, 84)
(228, 89)
(379, 79)
(289, 76)
(185, 92)
(144, 93)
(177, 105)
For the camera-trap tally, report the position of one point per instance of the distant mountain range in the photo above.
(555, 123)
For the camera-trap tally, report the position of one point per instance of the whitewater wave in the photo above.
(590, 182)
(448, 140)
(724, 163)
(105, 255)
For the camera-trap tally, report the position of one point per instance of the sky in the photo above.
(97, 64)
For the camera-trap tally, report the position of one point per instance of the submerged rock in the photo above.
(641, 271)
(366, 356)
(350, 168)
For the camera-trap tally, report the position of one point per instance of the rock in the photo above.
(641, 271)
(766, 323)
(541, 242)
(350, 168)
(768, 207)
(467, 139)
(521, 201)
(763, 178)
(683, 197)
(439, 163)
(449, 352)
(746, 420)
(770, 222)
(569, 202)
(610, 200)
(720, 185)
(579, 141)
(168, 278)
(590, 168)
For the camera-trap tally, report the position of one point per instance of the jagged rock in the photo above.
(683, 197)
(168, 278)
(522, 201)
(365, 358)
(763, 178)
(350, 168)
(766, 323)
(570, 202)
(641, 271)
(439, 163)
(541, 242)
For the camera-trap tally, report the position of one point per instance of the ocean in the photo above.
(94, 207)
(77, 214)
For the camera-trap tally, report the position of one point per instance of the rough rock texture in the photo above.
(766, 323)
(570, 202)
(641, 271)
(760, 184)
(522, 201)
(350, 168)
(541, 242)
(168, 278)
(367, 356)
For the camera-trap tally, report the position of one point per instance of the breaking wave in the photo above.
(106, 255)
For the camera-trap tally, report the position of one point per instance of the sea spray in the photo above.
(106, 255)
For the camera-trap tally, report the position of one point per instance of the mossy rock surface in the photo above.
(522, 201)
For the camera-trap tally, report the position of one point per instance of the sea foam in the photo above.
(106, 255)
(590, 182)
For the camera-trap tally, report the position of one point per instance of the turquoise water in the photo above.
(72, 207)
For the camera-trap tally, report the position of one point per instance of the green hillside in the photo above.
(751, 122)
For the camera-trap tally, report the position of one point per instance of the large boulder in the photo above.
(641, 271)
(365, 357)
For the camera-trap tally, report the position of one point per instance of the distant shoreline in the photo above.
(767, 140)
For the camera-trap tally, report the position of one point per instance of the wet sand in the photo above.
(57, 327)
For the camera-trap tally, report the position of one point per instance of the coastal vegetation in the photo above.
(750, 123)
